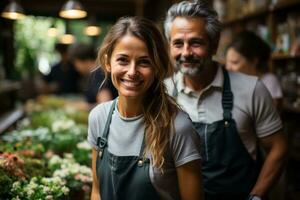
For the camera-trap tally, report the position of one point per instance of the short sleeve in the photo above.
(185, 143)
(273, 85)
(96, 122)
(266, 118)
(92, 129)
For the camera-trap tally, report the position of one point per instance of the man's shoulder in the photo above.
(242, 82)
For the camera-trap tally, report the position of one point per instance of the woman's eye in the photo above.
(122, 61)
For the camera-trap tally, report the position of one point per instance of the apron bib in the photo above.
(122, 177)
(228, 170)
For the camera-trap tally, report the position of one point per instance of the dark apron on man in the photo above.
(122, 177)
(229, 172)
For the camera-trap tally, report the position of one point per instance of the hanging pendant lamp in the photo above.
(68, 38)
(13, 11)
(72, 9)
(92, 29)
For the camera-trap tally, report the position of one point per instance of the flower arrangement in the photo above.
(77, 177)
(33, 163)
(82, 153)
(12, 164)
(40, 188)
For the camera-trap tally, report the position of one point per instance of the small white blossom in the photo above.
(49, 197)
(61, 125)
(84, 145)
(16, 185)
(65, 190)
(30, 192)
(16, 198)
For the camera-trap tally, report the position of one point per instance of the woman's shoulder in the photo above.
(182, 122)
(100, 111)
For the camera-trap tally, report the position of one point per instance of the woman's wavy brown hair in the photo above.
(159, 108)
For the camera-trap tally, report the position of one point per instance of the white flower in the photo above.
(57, 180)
(55, 159)
(49, 197)
(30, 192)
(62, 173)
(16, 185)
(61, 125)
(16, 198)
(45, 181)
(25, 122)
(46, 189)
(84, 145)
(69, 156)
(65, 190)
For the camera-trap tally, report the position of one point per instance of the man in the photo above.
(83, 57)
(63, 78)
(232, 112)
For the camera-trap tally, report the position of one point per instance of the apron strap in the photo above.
(102, 141)
(141, 157)
(227, 97)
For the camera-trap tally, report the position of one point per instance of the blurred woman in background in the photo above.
(249, 54)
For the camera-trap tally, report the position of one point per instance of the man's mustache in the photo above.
(190, 59)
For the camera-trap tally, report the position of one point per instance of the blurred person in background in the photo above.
(249, 54)
(93, 83)
(63, 77)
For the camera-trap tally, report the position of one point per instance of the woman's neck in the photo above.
(129, 107)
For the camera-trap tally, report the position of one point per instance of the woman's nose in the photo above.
(132, 71)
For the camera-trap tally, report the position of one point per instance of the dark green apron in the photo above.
(122, 177)
(228, 170)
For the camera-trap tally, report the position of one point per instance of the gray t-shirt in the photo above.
(126, 136)
(253, 109)
(273, 85)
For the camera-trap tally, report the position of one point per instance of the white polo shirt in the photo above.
(253, 109)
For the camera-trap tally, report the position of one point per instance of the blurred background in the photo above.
(36, 34)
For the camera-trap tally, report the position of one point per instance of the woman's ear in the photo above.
(107, 67)
(107, 64)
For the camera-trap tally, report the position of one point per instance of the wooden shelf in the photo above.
(284, 5)
(258, 13)
(287, 4)
(10, 118)
(7, 86)
(284, 57)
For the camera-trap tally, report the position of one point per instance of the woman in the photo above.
(249, 54)
(144, 147)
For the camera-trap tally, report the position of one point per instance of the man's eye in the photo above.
(145, 62)
(197, 43)
(177, 44)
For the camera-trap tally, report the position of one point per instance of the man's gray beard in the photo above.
(196, 70)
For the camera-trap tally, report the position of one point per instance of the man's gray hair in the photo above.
(196, 8)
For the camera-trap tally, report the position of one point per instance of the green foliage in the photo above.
(5, 185)
(40, 188)
(31, 40)
(35, 167)
(82, 153)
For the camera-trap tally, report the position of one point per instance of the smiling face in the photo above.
(131, 69)
(190, 45)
